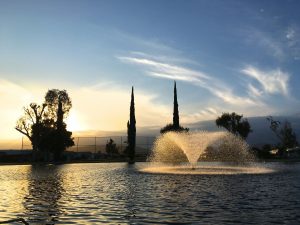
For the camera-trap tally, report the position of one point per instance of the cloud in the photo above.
(272, 81)
(208, 113)
(107, 108)
(175, 58)
(292, 35)
(273, 46)
(12, 97)
(176, 72)
(150, 44)
(104, 106)
(165, 69)
(253, 91)
(282, 44)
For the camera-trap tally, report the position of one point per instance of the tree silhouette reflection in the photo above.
(44, 191)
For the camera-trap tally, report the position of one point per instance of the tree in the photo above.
(170, 127)
(31, 123)
(131, 131)
(175, 126)
(52, 99)
(60, 137)
(175, 109)
(44, 125)
(111, 147)
(234, 124)
(284, 132)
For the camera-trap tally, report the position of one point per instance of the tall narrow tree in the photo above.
(175, 109)
(131, 131)
(60, 117)
(59, 133)
(175, 126)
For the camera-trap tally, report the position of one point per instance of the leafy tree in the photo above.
(52, 99)
(111, 147)
(131, 131)
(175, 126)
(60, 137)
(170, 127)
(31, 123)
(234, 124)
(45, 129)
(284, 132)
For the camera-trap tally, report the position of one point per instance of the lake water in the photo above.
(116, 193)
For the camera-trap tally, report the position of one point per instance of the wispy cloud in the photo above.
(272, 81)
(283, 44)
(195, 77)
(208, 113)
(292, 35)
(149, 43)
(272, 45)
(253, 91)
(12, 97)
(176, 58)
(164, 69)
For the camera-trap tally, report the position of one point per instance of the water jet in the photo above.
(202, 152)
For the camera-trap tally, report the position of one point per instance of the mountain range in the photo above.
(261, 133)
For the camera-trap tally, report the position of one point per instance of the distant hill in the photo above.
(261, 131)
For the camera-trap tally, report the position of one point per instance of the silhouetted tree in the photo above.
(264, 152)
(111, 147)
(52, 99)
(45, 129)
(234, 124)
(175, 109)
(176, 125)
(61, 138)
(131, 131)
(32, 122)
(284, 132)
(170, 127)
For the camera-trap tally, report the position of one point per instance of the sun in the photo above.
(73, 122)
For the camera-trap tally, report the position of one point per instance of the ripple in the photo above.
(117, 194)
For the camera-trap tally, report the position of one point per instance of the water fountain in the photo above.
(202, 152)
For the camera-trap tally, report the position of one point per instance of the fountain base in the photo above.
(206, 169)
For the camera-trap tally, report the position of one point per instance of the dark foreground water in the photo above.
(117, 194)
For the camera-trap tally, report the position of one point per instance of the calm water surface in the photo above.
(119, 194)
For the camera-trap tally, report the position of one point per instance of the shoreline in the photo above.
(123, 161)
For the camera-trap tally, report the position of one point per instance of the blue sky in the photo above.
(226, 56)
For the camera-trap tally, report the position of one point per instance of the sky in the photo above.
(226, 56)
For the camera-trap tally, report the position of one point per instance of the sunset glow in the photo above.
(251, 70)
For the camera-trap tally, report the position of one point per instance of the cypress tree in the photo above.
(175, 109)
(60, 117)
(131, 130)
(59, 138)
(175, 126)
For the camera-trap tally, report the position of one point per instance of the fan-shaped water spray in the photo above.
(197, 146)
(187, 149)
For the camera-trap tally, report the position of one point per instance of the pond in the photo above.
(117, 193)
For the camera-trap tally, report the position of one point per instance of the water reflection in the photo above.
(117, 194)
(44, 191)
(13, 188)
